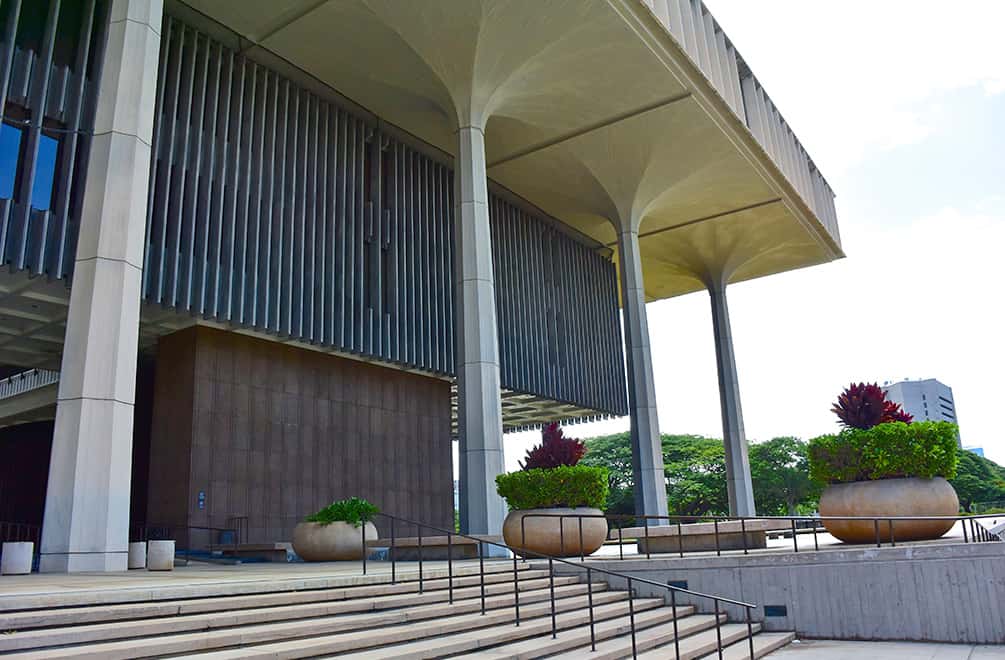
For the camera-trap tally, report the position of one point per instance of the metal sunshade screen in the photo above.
(274, 209)
(49, 60)
(557, 309)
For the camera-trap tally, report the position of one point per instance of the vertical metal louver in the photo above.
(276, 209)
(49, 60)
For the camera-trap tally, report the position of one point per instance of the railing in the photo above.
(701, 37)
(184, 533)
(717, 601)
(26, 381)
(21, 532)
(884, 528)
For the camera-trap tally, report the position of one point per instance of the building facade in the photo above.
(273, 256)
(926, 399)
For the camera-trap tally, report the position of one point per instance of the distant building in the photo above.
(976, 450)
(924, 399)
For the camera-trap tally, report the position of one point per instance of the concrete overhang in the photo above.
(592, 111)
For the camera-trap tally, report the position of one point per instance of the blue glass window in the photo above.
(45, 173)
(10, 151)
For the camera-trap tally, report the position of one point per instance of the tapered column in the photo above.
(647, 447)
(738, 482)
(479, 404)
(86, 525)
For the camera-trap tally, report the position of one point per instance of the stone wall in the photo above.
(274, 432)
(948, 592)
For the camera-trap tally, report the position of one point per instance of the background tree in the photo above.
(696, 474)
(978, 479)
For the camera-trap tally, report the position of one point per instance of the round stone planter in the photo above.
(160, 555)
(338, 541)
(137, 555)
(889, 497)
(554, 536)
(17, 558)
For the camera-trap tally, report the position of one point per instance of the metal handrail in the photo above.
(977, 533)
(146, 531)
(27, 381)
(629, 580)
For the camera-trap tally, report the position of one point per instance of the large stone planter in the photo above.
(554, 536)
(889, 497)
(338, 541)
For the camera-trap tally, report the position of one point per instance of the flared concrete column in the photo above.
(479, 402)
(738, 482)
(86, 525)
(647, 447)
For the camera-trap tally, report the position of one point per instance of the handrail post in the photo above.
(816, 543)
(516, 593)
(676, 633)
(582, 551)
(648, 547)
(450, 568)
(363, 537)
(481, 570)
(394, 559)
(750, 634)
(718, 549)
(879, 541)
(523, 535)
(631, 615)
(718, 628)
(551, 581)
(963, 524)
(420, 559)
(680, 539)
(795, 540)
(743, 533)
(589, 597)
(621, 542)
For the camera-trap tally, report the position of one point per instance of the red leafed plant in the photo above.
(864, 405)
(555, 450)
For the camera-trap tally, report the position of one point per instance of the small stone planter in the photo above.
(889, 497)
(137, 555)
(17, 558)
(554, 536)
(160, 555)
(337, 541)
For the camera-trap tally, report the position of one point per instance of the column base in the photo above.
(84, 562)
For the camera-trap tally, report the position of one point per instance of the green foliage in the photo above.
(780, 471)
(977, 479)
(563, 486)
(355, 511)
(696, 474)
(885, 451)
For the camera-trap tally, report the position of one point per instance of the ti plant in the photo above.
(864, 405)
(555, 450)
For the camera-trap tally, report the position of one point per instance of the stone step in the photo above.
(65, 616)
(691, 647)
(464, 631)
(146, 592)
(89, 633)
(382, 626)
(579, 637)
(764, 643)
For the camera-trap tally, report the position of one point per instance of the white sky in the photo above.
(902, 106)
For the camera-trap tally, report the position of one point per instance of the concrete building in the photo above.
(280, 253)
(924, 399)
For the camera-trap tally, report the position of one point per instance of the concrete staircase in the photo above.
(368, 620)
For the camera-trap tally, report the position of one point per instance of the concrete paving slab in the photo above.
(823, 649)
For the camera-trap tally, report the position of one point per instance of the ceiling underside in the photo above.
(582, 118)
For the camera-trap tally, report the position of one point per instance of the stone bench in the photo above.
(270, 552)
(701, 536)
(406, 548)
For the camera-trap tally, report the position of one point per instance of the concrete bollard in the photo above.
(160, 555)
(17, 558)
(138, 555)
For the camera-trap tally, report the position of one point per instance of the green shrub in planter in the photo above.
(886, 451)
(563, 486)
(356, 511)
